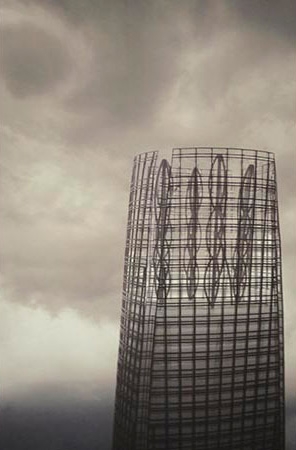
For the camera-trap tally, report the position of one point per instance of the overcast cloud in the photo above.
(86, 85)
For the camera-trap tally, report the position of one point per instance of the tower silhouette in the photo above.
(200, 362)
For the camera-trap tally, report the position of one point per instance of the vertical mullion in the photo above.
(166, 371)
(131, 364)
(245, 385)
(260, 299)
(249, 286)
(208, 306)
(270, 329)
(281, 336)
(194, 344)
(179, 353)
(236, 299)
(222, 325)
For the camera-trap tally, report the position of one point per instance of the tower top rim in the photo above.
(206, 150)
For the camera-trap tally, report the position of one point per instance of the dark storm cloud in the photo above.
(75, 427)
(55, 418)
(274, 15)
(278, 16)
(121, 10)
(291, 422)
(277, 12)
(140, 52)
(32, 60)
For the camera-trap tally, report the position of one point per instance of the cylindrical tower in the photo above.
(201, 362)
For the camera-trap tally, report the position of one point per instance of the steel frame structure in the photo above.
(201, 362)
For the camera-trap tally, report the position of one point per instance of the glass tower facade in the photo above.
(200, 362)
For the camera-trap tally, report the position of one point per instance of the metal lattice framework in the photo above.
(200, 362)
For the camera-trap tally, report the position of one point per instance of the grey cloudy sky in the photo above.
(85, 85)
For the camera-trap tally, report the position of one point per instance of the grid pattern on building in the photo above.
(200, 361)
